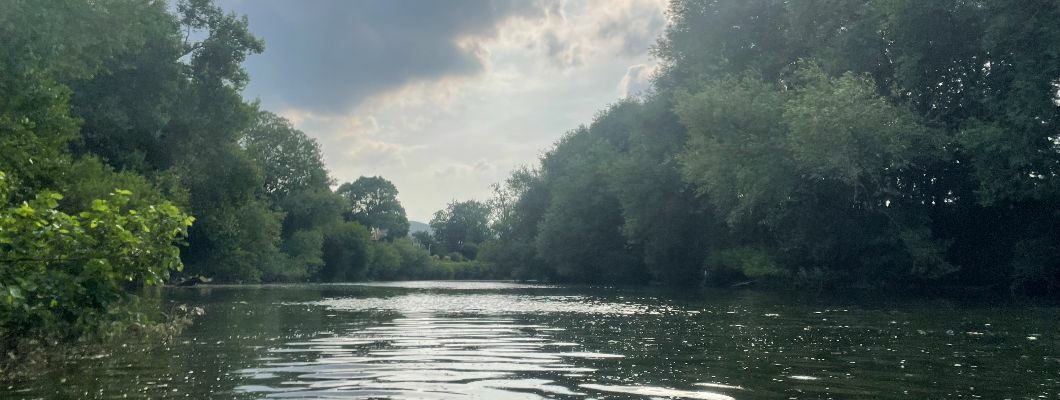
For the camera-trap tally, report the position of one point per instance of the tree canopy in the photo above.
(372, 201)
(461, 227)
(888, 144)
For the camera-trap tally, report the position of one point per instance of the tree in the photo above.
(125, 109)
(239, 236)
(36, 124)
(311, 210)
(580, 233)
(836, 146)
(290, 160)
(372, 201)
(660, 212)
(461, 227)
(516, 207)
(424, 240)
(860, 143)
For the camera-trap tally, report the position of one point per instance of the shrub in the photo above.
(65, 276)
(345, 252)
(730, 265)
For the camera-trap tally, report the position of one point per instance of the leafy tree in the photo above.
(290, 160)
(311, 210)
(661, 215)
(735, 152)
(580, 232)
(461, 227)
(46, 46)
(506, 213)
(399, 259)
(125, 108)
(238, 230)
(424, 240)
(837, 145)
(222, 192)
(517, 206)
(236, 243)
(71, 262)
(862, 143)
(372, 201)
(89, 178)
(415, 261)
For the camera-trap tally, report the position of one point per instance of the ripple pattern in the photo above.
(426, 357)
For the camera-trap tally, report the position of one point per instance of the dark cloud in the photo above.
(328, 55)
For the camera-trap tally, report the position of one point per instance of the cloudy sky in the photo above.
(445, 97)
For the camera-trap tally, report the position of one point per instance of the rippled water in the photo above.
(495, 340)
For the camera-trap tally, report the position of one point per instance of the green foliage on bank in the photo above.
(870, 144)
(66, 275)
(121, 122)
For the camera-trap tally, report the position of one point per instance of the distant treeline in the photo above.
(871, 143)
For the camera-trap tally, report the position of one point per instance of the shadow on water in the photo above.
(497, 340)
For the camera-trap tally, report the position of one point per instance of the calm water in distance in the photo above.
(496, 340)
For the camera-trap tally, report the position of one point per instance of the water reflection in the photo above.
(507, 341)
(431, 356)
(423, 356)
(498, 304)
(453, 344)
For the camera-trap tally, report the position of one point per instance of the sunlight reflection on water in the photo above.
(454, 285)
(495, 304)
(448, 345)
(425, 356)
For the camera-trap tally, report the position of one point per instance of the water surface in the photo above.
(495, 340)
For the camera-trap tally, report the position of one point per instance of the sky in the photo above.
(444, 98)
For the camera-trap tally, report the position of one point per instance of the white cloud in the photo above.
(636, 80)
(449, 136)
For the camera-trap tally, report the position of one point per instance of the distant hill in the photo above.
(416, 226)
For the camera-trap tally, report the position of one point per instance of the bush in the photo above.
(237, 243)
(345, 252)
(385, 261)
(513, 260)
(397, 260)
(469, 251)
(303, 252)
(731, 265)
(66, 276)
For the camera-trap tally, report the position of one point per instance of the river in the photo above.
(497, 340)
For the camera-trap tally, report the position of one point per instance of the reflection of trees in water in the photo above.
(409, 337)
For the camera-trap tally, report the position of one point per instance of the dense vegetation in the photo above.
(112, 144)
(873, 143)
